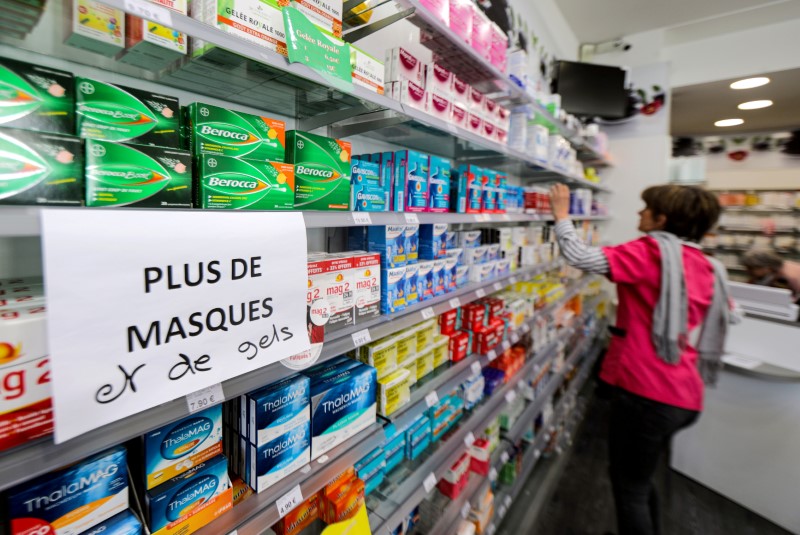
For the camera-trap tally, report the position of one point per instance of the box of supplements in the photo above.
(278, 408)
(321, 172)
(406, 344)
(393, 290)
(462, 276)
(489, 198)
(367, 284)
(215, 130)
(174, 448)
(411, 168)
(25, 410)
(460, 91)
(367, 71)
(341, 406)
(438, 80)
(40, 168)
(439, 287)
(458, 115)
(438, 184)
(394, 392)
(412, 284)
(441, 352)
(331, 280)
(299, 518)
(117, 113)
(96, 27)
(142, 176)
(412, 243)
(394, 188)
(469, 239)
(36, 98)
(96, 490)
(381, 355)
(450, 266)
(403, 65)
(124, 523)
(468, 189)
(287, 453)
(151, 46)
(186, 502)
(326, 14)
(390, 242)
(425, 280)
(432, 241)
(256, 21)
(227, 183)
(367, 193)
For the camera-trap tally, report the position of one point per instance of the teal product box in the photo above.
(192, 489)
(425, 280)
(125, 523)
(98, 484)
(411, 169)
(397, 444)
(368, 459)
(412, 243)
(432, 241)
(394, 460)
(462, 276)
(36, 98)
(394, 187)
(467, 189)
(341, 407)
(367, 193)
(412, 284)
(278, 408)
(375, 466)
(268, 464)
(374, 482)
(438, 184)
(489, 199)
(450, 266)
(329, 368)
(393, 290)
(174, 448)
(439, 287)
(502, 190)
(390, 242)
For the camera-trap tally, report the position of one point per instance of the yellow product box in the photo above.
(406, 344)
(381, 355)
(441, 353)
(425, 333)
(241, 491)
(410, 365)
(152, 46)
(96, 27)
(347, 503)
(424, 363)
(394, 391)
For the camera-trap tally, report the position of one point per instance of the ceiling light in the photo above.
(749, 83)
(729, 122)
(755, 104)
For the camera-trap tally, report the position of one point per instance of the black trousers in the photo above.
(640, 433)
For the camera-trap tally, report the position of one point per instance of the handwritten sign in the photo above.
(148, 306)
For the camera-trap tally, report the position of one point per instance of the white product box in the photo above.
(481, 32)
(475, 102)
(502, 117)
(475, 123)
(501, 136)
(412, 94)
(489, 109)
(326, 14)
(476, 255)
(439, 106)
(438, 80)
(460, 92)
(153, 46)
(367, 71)
(489, 130)
(458, 115)
(482, 272)
(403, 65)
(538, 142)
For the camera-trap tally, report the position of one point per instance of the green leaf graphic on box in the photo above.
(132, 175)
(18, 98)
(322, 52)
(21, 167)
(230, 134)
(113, 107)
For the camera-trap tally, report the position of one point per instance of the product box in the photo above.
(467, 189)
(401, 65)
(450, 265)
(40, 168)
(481, 32)
(228, 183)
(96, 27)
(424, 363)
(438, 80)
(381, 355)
(342, 406)
(461, 19)
(439, 8)
(457, 253)
(482, 272)
(411, 93)
(390, 242)
(215, 130)
(489, 130)
(393, 290)
(441, 350)
(499, 49)
(142, 176)
(321, 172)
(492, 252)
(366, 71)
(97, 489)
(117, 113)
(440, 107)
(299, 518)
(459, 347)
(406, 344)
(256, 21)
(412, 284)
(432, 241)
(124, 523)
(152, 46)
(489, 198)
(426, 332)
(367, 193)
(425, 280)
(394, 187)
(475, 123)
(412, 243)
(439, 287)
(268, 464)
(346, 502)
(449, 321)
(326, 14)
(459, 93)
(276, 409)
(469, 239)
(36, 98)
(331, 279)
(458, 115)
(475, 102)
(438, 184)
(366, 269)
(393, 392)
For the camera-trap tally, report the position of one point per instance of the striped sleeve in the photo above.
(577, 253)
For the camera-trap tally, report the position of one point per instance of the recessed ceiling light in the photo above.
(749, 83)
(755, 104)
(729, 122)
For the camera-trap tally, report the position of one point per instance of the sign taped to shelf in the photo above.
(511, 395)
(427, 313)
(429, 482)
(202, 399)
(362, 218)
(149, 11)
(289, 501)
(492, 474)
(325, 54)
(476, 368)
(507, 501)
(147, 306)
(504, 457)
(491, 355)
(362, 337)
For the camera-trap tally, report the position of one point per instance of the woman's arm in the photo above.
(574, 250)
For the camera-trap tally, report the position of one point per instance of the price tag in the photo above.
(513, 280)
(148, 11)
(497, 286)
(432, 399)
(361, 337)
(480, 292)
(203, 399)
(504, 457)
(502, 511)
(289, 501)
(465, 510)
(490, 530)
(362, 218)
(492, 474)
(526, 328)
(537, 454)
(507, 501)
(234, 532)
(491, 355)
(412, 219)
(506, 344)
(505, 217)
(476, 368)
(469, 439)
(427, 313)
(429, 482)
(511, 395)
(455, 302)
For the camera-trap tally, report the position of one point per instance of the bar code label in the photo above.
(289, 501)
(432, 399)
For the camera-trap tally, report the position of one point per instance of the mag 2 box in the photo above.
(411, 169)
(321, 171)
(227, 183)
(439, 184)
(36, 98)
(367, 279)
(330, 279)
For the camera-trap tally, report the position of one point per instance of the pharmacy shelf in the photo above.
(760, 210)
(760, 230)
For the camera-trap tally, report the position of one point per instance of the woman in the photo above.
(765, 267)
(666, 288)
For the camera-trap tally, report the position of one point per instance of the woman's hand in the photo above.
(559, 201)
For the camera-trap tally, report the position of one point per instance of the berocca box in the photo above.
(118, 174)
(40, 168)
(116, 113)
(36, 98)
(235, 184)
(322, 171)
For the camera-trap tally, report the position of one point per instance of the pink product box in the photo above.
(489, 109)
(499, 47)
(402, 65)
(475, 123)
(412, 94)
(438, 80)
(460, 92)
(440, 106)
(489, 130)
(503, 118)
(461, 18)
(501, 135)
(475, 101)
(481, 32)
(439, 8)
(458, 115)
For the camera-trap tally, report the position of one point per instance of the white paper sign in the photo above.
(455, 302)
(476, 368)
(465, 509)
(511, 395)
(497, 286)
(289, 501)
(491, 355)
(492, 474)
(205, 398)
(412, 219)
(147, 306)
(469, 439)
(504, 457)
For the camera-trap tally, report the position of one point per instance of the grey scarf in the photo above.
(670, 317)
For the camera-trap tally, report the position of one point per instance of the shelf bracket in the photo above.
(361, 32)
(367, 123)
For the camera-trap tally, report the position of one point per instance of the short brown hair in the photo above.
(690, 211)
(761, 258)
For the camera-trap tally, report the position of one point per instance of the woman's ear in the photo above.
(660, 221)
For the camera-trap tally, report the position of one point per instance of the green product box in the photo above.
(40, 168)
(36, 98)
(236, 184)
(321, 171)
(214, 130)
(116, 113)
(143, 176)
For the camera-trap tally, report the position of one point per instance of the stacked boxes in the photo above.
(321, 171)
(411, 169)
(367, 191)
(38, 98)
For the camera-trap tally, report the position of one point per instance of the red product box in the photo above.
(448, 322)
(459, 345)
(480, 457)
(473, 316)
(456, 478)
(496, 307)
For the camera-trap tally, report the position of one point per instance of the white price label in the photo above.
(491, 355)
(361, 337)
(526, 328)
(537, 454)
(429, 482)
(412, 219)
(469, 439)
(513, 280)
(504, 457)
(497, 286)
(203, 399)
(505, 217)
(234, 532)
(507, 501)
(455, 302)
(511, 395)
(465, 510)
(506, 344)
(492, 475)
(476, 368)
(427, 313)
(480, 292)
(289, 501)
(490, 530)
(502, 511)
(432, 399)
(362, 218)
(148, 11)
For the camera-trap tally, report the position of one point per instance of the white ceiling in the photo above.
(595, 21)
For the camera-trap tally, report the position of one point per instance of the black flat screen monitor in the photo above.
(589, 90)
